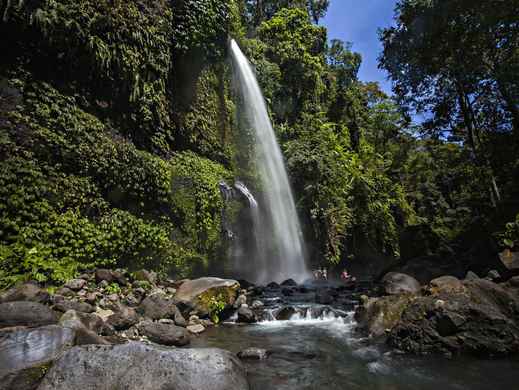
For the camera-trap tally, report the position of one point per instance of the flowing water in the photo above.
(325, 354)
(280, 232)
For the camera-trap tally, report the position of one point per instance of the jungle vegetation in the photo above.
(118, 120)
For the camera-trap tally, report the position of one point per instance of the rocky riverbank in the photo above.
(476, 316)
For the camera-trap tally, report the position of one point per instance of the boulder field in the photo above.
(448, 316)
(113, 330)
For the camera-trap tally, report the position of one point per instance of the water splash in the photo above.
(282, 237)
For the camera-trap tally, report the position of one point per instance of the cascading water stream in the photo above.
(283, 234)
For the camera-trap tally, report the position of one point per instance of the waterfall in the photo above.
(279, 235)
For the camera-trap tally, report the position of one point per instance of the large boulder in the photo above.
(482, 318)
(25, 292)
(123, 319)
(24, 313)
(397, 283)
(376, 316)
(136, 366)
(246, 315)
(26, 354)
(201, 294)
(165, 334)
(447, 284)
(157, 306)
(83, 335)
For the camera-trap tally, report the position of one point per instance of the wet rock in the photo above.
(165, 334)
(257, 304)
(25, 292)
(24, 313)
(246, 315)
(445, 284)
(136, 366)
(196, 328)
(324, 297)
(375, 316)
(145, 276)
(157, 306)
(197, 294)
(66, 292)
(241, 300)
(76, 284)
(123, 319)
(253, 354)
(26, 354)
(395, 283)
(82, 307)
(285, 313)
(481, 319)
(273, 286)
(287, 291)
(179, 319)
(289, 283)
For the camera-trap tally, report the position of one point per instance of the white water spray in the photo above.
(284, 234)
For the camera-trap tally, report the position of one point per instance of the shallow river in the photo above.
(326, 354)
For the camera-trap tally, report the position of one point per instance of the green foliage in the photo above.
(113, 288)
(510, 237)
(216, 305)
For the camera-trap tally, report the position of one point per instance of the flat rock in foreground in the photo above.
(136, 366)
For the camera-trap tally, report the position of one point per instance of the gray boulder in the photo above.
(165, 334)
(395, 283)
(76, 284)
(82, 307)
(198, 293)
(157, 306)
(26, 354)
(25, 292)
(246, 315)
(23, 313)
(84, 336)
(104, 275)
(136, 366)
(123, 319)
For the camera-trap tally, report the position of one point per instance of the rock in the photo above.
(83, 336)
(246, 315)
(24, 313)
(104, 314)
(196, 328)
(132, 300)
(171, 290)
(323, 297)
(25, 292)
(157, 306)
(514, 282)
(91, 298)
(481, 319)
(91, 321)
(287, 291)
(493, 275)
(165, 334)
(145, 276)
(123, 319)
(179, 319)
(376, 315)
(197, 294)
(136, 366)
(76, 284)
(510, 259)
(242, 299)
(395, 283)
(65, 291)
(26, 354)
(273, 286)
(82, 307)
(285, 313)
(445, 284)
(289, 283)
(253, 354)
(471, 276)
(257, 304)
(119, 277)
(104, 275)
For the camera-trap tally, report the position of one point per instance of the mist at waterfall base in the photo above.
(277, 251)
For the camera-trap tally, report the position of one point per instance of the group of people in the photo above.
(322, 274)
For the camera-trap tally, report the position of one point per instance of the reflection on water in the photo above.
(325, 354)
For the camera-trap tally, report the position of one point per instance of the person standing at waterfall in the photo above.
(325, 273)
